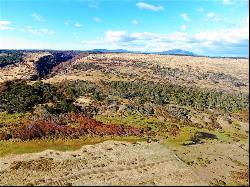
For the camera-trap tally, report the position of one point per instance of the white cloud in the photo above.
(37, 17)
(98, 20)
(39, 32)
(184, 27)
(117, 36)
(143, 41)
(135, 22)
(147, 6)
(213, 42)
(78, 25)
(185, 17)
(5, 25)
(224, 35)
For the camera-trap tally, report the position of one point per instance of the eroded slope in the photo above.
(108, 163)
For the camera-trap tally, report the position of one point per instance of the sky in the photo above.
(204, 27)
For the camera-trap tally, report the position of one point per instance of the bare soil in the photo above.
(123, 163)
(107, 163)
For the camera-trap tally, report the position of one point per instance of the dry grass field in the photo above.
(214, 73)
(108, 163)
(23, 70)
(121, 163)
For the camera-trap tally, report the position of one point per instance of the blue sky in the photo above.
(213, 27)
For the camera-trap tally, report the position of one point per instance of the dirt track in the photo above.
(108, 163)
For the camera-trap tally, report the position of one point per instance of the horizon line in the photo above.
(129, 51)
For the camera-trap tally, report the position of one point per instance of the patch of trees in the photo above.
(62, 106)
(172, 94)
(18, 96)
(161, 94)
(76, 89)
(9, 58)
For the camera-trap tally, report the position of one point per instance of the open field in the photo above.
(204, 72)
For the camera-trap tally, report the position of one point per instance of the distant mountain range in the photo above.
(176, 52)
(169, 52)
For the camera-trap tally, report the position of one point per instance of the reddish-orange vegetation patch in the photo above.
(85, 126)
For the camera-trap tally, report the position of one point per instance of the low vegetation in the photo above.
(68, 99)
(9, 58)
(60, 144)
(175, 114)
(43, 110)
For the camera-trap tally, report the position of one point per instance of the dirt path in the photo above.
(107, 163)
